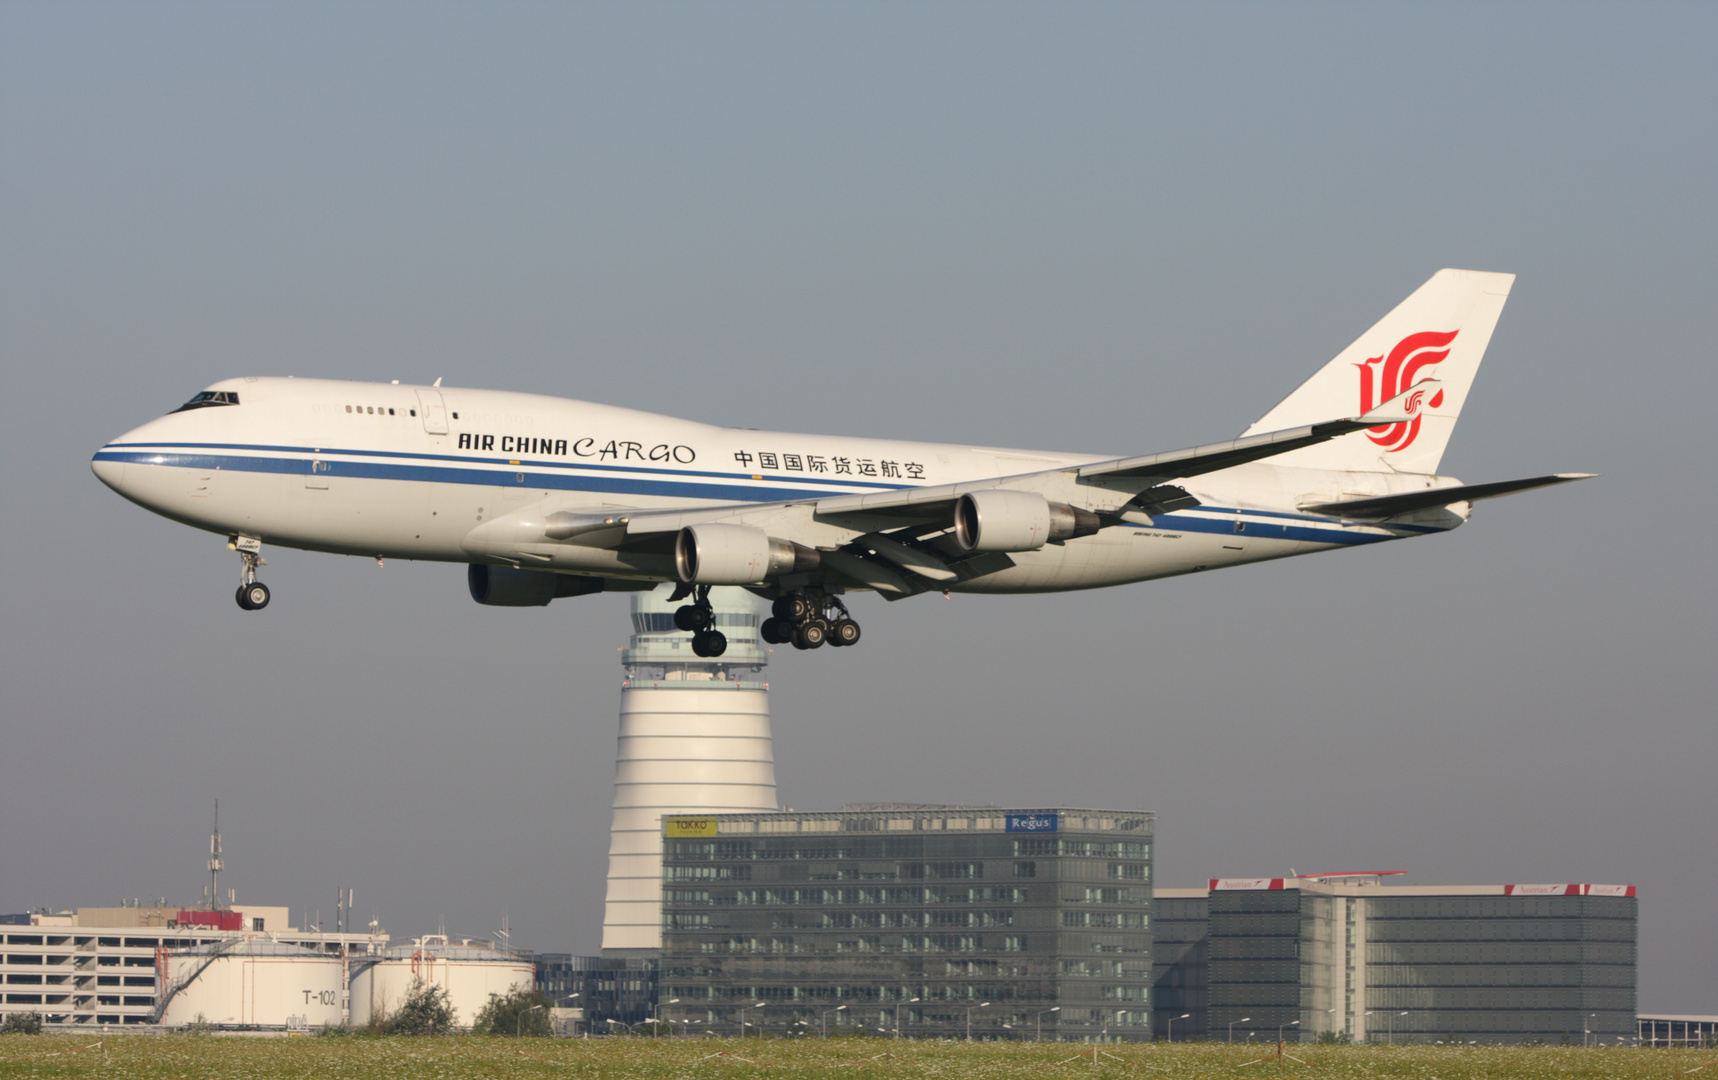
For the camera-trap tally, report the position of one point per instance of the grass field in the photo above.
(227, 1058)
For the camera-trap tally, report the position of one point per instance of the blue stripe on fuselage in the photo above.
(321, 453)
(1296, 527)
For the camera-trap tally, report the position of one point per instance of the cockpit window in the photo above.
(210, 398)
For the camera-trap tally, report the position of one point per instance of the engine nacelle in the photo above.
(506, 586)
(718, 553)
(1003, 520)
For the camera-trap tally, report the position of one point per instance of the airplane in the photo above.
(545, 498)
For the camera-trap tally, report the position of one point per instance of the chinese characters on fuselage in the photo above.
(835, 466)
(613, 450)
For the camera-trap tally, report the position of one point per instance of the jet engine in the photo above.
(505, 586)
(1003, 520)
(718, 553)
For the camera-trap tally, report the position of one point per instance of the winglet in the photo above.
(1404, 406)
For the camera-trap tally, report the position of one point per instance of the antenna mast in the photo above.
(215, 863)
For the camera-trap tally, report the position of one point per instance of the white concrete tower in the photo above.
(694, 739)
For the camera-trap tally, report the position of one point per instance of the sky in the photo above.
(1105, 228)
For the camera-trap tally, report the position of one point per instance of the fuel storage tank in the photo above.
(251, 982)
(471, 972)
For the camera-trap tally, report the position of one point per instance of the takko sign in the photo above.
(688, 826)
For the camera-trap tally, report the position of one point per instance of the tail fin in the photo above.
(1440, 332)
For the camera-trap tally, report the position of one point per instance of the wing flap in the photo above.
(1387, 506)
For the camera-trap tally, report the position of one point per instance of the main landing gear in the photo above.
(697, 617)
(809, 618)
(253, 595)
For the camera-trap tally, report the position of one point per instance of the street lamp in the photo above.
(1170, 1035)
(655, 1014)
(1232, 1024)
(983, 1005)
(1291, 1023)
(1390, 1027)
(758, 1025)
(1587, 1027)
(1103, 1036)
(519, 1021)
(1040, 1018)
(823, 1020)
(898, 1015)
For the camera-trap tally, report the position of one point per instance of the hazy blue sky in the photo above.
(1107, 228)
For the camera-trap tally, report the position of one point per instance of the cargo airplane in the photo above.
(545, 498)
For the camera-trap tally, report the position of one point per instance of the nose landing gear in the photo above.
(809, 619)
(253, 595)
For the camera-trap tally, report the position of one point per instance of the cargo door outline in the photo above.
(434, 411)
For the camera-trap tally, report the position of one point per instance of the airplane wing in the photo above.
(1388, 506)
(893, 541)
(1139, 476)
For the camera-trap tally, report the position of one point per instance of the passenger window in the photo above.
(348, 408)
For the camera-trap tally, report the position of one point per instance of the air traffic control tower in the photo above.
(694, 739)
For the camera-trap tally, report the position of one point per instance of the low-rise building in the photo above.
(1346, 957)
(114, 966)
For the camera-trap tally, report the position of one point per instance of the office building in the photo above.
(1345, 957)
(1179, 933)
(930, 920)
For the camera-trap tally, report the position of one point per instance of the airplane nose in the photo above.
(111, 473)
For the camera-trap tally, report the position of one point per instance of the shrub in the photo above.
(426, 1010)
(521, 1012)
(22, 1023)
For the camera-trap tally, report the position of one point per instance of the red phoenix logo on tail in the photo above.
(1398, 372)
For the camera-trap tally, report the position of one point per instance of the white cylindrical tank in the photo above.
(694, 739)
(471, 973)
(255, 982)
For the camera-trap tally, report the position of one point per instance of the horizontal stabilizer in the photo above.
(1387, 506)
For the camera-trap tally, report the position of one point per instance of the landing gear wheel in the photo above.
(776, 631)
(844, 632)
(709, 643)
(253, 597)
(691, 617)
(811, 634)
(791, 608)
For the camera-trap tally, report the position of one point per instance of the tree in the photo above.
(521, 1012)
(426, 1010)
(22, 1023)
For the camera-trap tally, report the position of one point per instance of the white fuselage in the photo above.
(385, 470)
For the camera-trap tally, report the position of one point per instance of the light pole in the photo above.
(1390, 1027)
(519, 1021)
(982, 1005)
(1291, 1023)
(759, 1024)
(1232, 1024)
(655, 1014)
(898, 1015)
(1040, 1018)
(1170, 1036)
(1103, 1036)
(823, 1020)
(1587, 1027)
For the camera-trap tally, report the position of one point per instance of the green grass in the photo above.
(363, 1058)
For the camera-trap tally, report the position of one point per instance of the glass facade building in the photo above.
(921, 919)
(1500, 963)
(1179, 967)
